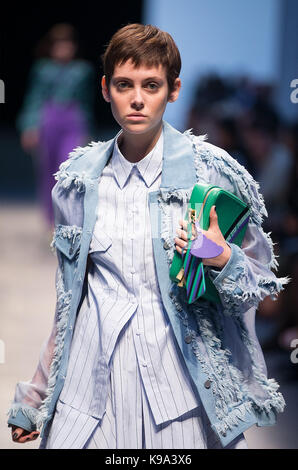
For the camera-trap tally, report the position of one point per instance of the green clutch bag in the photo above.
(233, 216)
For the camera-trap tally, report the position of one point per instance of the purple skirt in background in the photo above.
(62, 128)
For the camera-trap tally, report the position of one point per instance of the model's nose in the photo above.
(137, 106)
(137, 101)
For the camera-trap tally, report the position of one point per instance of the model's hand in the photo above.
(213, 233)
(21, 436)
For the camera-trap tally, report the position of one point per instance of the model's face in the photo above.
(63, 50)
(138, 96)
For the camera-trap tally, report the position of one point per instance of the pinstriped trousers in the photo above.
(128, 422)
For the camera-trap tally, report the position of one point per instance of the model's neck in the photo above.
(134, 147)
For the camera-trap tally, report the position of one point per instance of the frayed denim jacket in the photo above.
(218, 342)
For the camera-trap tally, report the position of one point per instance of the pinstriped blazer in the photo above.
(122, 288)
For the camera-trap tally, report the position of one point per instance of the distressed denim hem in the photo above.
(23, 416)
(63, 309)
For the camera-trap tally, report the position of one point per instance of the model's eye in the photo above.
(122, 85)
(152, 86)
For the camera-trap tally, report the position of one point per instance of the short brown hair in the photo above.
(143, 44)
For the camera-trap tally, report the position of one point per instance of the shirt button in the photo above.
(132, 270)
(138, 332)
(207, 384)
(166, 246)
(188, 339)
(144, 364)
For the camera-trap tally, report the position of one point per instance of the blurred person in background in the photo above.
(228, 138)
(217, 106)
(272, 161)
(210, 91)
(238, 116)
(273, 165)
(287, 329)
(57, 112)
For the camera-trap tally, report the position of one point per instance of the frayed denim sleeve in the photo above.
(22, 416)
(247, 278)
(29, 395)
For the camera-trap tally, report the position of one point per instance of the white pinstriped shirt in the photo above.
(123, 287)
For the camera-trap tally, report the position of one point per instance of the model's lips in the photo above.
(136, 116)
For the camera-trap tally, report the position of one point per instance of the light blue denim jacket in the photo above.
(224, 357)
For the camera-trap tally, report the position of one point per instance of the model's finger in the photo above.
(181, 233)
(213, 218)
(179, 249)
(16, 433)
(180, 243)
(24, 439)
(28, 437)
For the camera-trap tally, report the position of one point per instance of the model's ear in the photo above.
(173, 95)
(104, 89)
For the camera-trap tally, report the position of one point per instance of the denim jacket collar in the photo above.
(178, 168)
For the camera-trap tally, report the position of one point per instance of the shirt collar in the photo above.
(149, 167)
